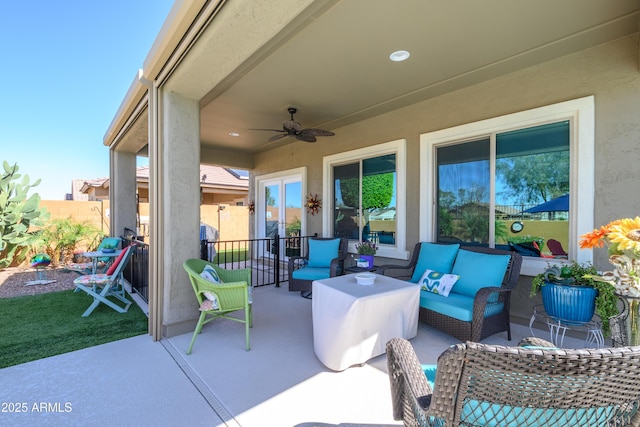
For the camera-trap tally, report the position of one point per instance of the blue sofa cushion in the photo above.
(321, 252)
(312, 273)
(456, 305)
(434, 257)
(478, 270)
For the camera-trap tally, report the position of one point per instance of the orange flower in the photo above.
(595, 239)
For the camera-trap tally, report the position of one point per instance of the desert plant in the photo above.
(20, 216)
(61, 238)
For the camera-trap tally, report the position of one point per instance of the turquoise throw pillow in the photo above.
(321, 252)
(434, 257)
(478, 270)
(438, 283)
(209, 273)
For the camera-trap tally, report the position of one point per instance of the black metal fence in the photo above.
(137, 271)
(266, 257)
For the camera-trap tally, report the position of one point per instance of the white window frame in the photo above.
(397, 147)
(581, 114)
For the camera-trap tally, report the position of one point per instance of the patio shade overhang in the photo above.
(559, 204)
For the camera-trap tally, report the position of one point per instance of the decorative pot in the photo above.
(569, 303)
(368, 258)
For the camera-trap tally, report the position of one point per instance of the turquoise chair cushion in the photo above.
(478, 270)
(321, 252)
(311, 273)
(455, 305)
(434, 257)
(109, 243)
(475, 412)
(430, 373)
(492, 414)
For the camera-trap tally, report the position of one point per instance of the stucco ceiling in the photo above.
(336, 68)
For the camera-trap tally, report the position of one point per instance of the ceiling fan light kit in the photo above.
(294, 129)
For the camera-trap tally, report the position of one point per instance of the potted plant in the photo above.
(570, 293)
(366, 250)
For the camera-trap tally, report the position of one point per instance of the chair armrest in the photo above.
(295, 262)
(336, 268)
(408, 270)
(535, 342)
(409, 385)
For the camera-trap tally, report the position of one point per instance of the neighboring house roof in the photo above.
(215, 178)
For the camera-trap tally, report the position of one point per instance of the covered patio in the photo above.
(279, 383)
(219, 70)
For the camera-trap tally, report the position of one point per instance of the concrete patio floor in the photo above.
(280, 382)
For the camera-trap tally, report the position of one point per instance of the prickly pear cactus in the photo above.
(20, 215)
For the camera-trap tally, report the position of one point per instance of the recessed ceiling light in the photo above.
(234, 134)
(399, 55)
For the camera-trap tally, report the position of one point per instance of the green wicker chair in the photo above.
(234, 294)
(533, 384)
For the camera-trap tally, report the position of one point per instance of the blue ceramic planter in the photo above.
(569, 303)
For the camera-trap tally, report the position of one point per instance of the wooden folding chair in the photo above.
(110, 284)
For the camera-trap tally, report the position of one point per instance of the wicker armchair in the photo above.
(491, 385)
(481, 326)
(301, 276)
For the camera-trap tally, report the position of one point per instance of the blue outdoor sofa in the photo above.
(478, 304)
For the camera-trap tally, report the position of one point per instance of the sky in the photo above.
(66, 67)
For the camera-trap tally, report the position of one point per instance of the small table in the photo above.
(95, 255)
(352, 323)
(558, 328)
(354, 269)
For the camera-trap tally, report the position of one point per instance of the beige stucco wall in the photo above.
(96, 212)
(609, 72)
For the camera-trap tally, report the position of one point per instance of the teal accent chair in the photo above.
(233, 293)
(532, 384)
(324, 258)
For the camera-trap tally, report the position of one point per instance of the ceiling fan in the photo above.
(294, 129)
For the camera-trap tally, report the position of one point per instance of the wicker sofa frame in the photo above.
(480, 326)
(336, 268)
(516, 386)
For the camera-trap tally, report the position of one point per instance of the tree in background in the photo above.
(377, 191)
(20, 216)
(535, 178)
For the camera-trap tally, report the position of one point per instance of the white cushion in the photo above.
(438, 283)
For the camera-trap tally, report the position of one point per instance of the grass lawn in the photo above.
(39, 326)
(235, 255)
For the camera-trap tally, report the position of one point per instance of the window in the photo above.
(513, 182)
(366, 192)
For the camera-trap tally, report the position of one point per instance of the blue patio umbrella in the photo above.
(559, 204)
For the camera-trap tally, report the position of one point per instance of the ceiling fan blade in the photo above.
(317, 132)
(277, 137)
(302, 136)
